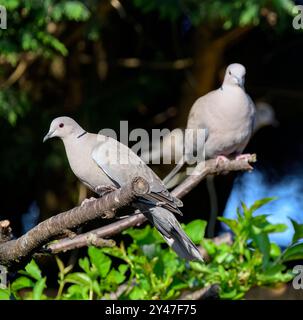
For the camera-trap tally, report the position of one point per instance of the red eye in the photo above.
(61, 125)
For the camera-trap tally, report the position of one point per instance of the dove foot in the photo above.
(245, 156)
(102, 190)
(221, 159)
(85, 201)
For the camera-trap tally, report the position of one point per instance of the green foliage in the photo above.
(251, 260)
(40, 28)
(147, 270)
(4, 294)
(31, 33)
(29, 26)
(31, 282)
(13, 104)
(228, 14)
(71, 10)
(298, 231)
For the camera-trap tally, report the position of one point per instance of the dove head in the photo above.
(235, 75)
(63, 127)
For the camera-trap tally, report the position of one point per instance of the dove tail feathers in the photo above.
(175, 170)
(172, 232)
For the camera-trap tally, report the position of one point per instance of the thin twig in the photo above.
(209, 167)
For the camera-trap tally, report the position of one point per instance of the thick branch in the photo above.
(14, 252)
(17, 251)
(202, 170)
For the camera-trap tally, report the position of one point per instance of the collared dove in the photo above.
(172, 144)
(104, 164)
(227, 117)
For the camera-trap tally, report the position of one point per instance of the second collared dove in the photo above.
(172, 144)
(227, 117)
(103, 164)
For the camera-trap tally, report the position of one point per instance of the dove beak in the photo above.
(48, 136)
(239, 81)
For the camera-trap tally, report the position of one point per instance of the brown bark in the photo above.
(15, 252)
(180, 191)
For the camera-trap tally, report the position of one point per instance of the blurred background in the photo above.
(102, 61)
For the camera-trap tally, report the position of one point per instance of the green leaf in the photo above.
(49, 40)
(84, 264)
(274, 275)
(272, 228)
(231, 223)
(137, 293)
(209, 246)
(262, 242)
(298, 228)
(100, 260)
(250, 15)
(38, 289)
(32, 270)
(10, 5)
(29, 42)
(21, 283)
(229, 294)
(4, 294)
(144, 236)
(275, 250)
(260, 203)
(76, 292)
(246, 211)
(294, 252)
(72, 10)
(79, 278)
(96, 288)
(60, 264)
(195, 230)
(123, 268)
(115, 277)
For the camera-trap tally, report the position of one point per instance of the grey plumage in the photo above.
(172, 145)
(227, 116)
(101, 162)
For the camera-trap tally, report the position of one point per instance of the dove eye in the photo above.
(61, 125)
(229, 73)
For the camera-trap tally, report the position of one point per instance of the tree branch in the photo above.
(201, 171)
(16, 252)
(210, 167)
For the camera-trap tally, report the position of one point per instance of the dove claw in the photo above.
(85, 201)
(221, 158)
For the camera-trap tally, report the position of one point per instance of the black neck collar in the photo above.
(82, 134)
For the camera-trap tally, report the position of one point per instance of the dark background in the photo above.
(121, 66)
